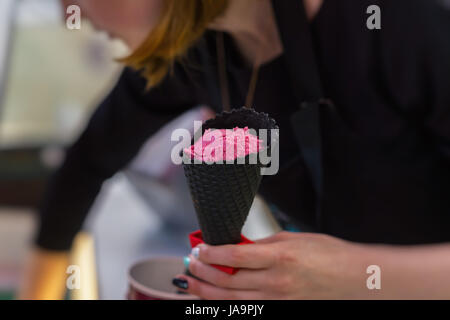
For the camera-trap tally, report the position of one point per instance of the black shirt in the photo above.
(386, 145)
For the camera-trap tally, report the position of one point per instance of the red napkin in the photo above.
(196, 238)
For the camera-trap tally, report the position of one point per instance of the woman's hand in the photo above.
(284, 266)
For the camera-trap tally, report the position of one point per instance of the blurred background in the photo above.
(51, 79)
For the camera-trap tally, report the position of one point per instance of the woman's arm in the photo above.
(315, 266)
(413, 272)
(114, 135)
(116, 131)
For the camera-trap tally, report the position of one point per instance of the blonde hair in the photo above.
(181, 24)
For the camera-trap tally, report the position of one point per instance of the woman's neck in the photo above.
(312, 7)
(253, 26)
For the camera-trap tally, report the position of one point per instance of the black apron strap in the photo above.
(211, 71)
(303, 71)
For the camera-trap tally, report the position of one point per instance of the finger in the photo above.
(276, 237)
(244, 279)
(208, 291)
(250, 256)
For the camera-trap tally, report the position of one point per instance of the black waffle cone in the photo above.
(223, 193)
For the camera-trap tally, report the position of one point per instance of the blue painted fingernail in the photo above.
(186, 261)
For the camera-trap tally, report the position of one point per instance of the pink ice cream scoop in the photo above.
(224, 145)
